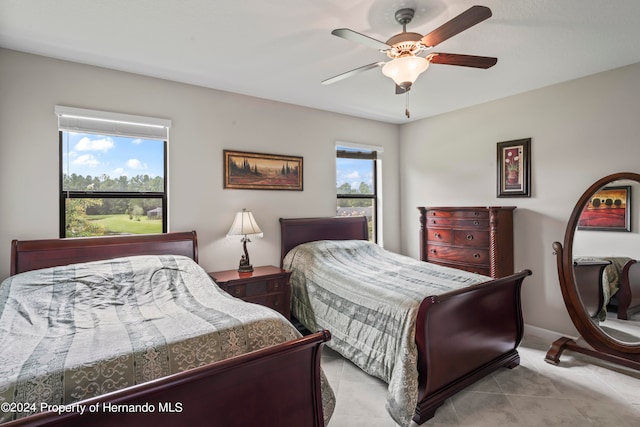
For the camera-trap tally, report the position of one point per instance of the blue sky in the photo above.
(354, 171)
(114, 156)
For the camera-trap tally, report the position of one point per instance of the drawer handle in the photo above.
(237, 291)
(476, 213)
(476, 222)
(276, 285)
(433, 251)
(469, 236)
(436, 235)
(277, 303)
(476, 255)
(433, 221)
(433, 213)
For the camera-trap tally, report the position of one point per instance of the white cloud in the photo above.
(136, 141)
(353, 175)
(88, 144)
(86, 160)
(119, 172)
(136, 164)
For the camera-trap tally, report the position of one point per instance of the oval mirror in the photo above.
(599, 278)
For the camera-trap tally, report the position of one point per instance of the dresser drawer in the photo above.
(461, 214)
(274, 301)
(485, 271)
(478, 269)
(471, 238)
(236, 290)
(256, 288)
(458, 222)
(467, 255)
(439, 235)
(276, 285)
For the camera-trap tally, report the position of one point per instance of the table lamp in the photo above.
(244, 224)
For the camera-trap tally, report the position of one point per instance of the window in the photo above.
(357, 175)
(113, 173)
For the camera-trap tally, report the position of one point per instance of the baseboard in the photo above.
(545, 334)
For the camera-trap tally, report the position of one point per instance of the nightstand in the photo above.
(267, 285)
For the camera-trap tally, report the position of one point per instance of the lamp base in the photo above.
(244, 266)
(245, 269)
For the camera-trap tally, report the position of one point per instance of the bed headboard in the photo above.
(295, 231)
(34, 254)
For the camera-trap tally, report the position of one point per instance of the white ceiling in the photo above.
(282, 49)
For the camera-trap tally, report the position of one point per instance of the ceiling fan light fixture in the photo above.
(405, 70)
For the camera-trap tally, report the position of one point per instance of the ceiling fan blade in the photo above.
(352, 72)
(348, 34)
(462, 60)
(472, 16)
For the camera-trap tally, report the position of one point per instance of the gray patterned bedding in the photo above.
(368, 298)
(75, 332)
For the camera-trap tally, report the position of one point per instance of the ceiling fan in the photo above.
(405, 48)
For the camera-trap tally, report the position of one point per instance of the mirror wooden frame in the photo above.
(604, 346)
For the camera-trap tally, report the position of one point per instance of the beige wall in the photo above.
(204, 123)
(581, 131)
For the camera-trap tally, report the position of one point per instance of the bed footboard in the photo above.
(629, 293)
(463, 336)
(275, 386)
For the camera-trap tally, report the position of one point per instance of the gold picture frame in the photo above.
(259, 171)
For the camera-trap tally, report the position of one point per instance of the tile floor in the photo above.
(580, 391)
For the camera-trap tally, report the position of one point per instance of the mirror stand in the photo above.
(584, 304)
(564, 343)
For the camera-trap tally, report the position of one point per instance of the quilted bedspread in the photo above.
(368, 298)
(75, 332)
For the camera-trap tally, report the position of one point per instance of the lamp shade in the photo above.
(244, 224)
(405, 70)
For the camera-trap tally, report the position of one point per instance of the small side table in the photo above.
(266, 285)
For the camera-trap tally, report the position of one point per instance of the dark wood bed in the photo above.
(448, 361)
(589, 283)
(628, 296)
(275, 386)
(589, 276)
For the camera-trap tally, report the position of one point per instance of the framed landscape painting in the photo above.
(607, 210)
(257, 171)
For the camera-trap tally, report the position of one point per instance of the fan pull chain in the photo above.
(406, 108)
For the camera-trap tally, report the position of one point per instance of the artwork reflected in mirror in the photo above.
(607, 210)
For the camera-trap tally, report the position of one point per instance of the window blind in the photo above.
(107, 123)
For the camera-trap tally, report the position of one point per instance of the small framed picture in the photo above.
(607, 210)
(257, 171)
(514, 168)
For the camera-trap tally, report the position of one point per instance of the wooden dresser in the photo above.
(477, 239)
